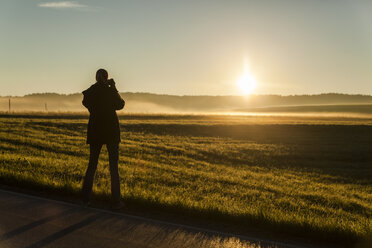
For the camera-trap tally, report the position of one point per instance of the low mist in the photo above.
(148, 103)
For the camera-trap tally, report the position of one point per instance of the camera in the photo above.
(111, 82)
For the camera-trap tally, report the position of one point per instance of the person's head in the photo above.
(101, 75)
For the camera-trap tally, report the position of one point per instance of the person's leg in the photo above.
(95, 150)
(113, 151)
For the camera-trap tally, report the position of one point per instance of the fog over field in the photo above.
(156, 103)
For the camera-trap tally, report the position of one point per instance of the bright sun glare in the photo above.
(246, 83)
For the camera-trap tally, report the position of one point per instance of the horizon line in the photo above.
(165, 94)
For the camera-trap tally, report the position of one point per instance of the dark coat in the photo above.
(102, 101)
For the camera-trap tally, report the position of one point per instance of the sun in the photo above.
(246, 82)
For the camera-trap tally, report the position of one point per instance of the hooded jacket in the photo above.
(102, 101)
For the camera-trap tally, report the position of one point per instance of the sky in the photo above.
(193, 47)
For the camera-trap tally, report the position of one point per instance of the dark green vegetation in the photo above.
(302, 176)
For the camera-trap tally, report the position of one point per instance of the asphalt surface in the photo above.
(29, 221)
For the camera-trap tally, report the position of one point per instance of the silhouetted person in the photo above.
(102, 100)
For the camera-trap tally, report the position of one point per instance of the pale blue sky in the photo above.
(186, 47)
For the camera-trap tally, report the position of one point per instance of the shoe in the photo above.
(118, 205)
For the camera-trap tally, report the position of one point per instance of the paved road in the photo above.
(29, 221)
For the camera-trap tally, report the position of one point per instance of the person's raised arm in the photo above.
(118, 102)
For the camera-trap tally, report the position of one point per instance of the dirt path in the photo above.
(29, 221)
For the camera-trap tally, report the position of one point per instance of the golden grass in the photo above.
(308, 177)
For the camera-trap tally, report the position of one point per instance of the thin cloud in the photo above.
(62, 5)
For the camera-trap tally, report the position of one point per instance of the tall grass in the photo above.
(292, 178)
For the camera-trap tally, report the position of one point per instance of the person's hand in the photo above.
(111, 82)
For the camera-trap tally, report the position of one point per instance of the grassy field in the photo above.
(308, 177)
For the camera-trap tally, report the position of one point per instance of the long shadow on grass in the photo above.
(41, 147)
(336, 150)
(283, 133)
(59, 127)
